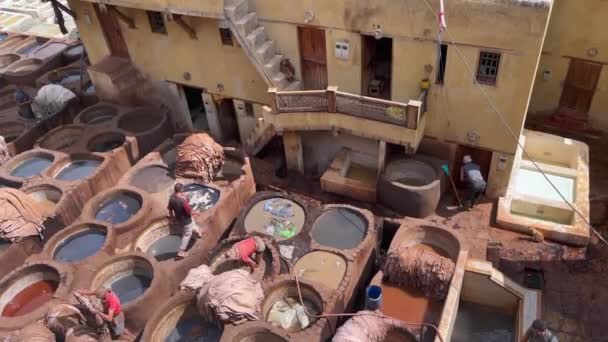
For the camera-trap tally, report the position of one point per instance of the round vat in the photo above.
(11, 131)
(339, 228)
(32, 166)
(280, 303)
(62, 139)
(97, 114)
(140, 120)
(78, 169)
(6, 60)
(152, 179)
(46, 195)
(220, 263)
(25, 66)
(129, 278)
(322, 267)
(201, 197)
(160, 240)
(81, 244)
(277, 216)
(27, 290)
(106, 142)
(119, 207)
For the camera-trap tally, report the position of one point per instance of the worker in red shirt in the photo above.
(112, 313)
(248, 251)
(181, 214)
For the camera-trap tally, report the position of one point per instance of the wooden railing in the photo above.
(333, 101)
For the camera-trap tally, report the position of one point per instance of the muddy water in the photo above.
(30, 298)
(80, 245)
(131, 287)
(78, 169)
(413, 181)
(153, 179)
(193, 329)
(32, 167)
(480, 323)
(165, 248)
(362, 173)
(322, 267)
(279, 217)
(118, 209)
(339, 228)
(409, 305)
(280, 312)
(201, 197)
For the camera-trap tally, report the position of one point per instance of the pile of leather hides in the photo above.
(63, 317)
(199, 157)
(367, 326)
(196, 278)
(4, 155)
(20, 215)
(230, 297)
(424, 270)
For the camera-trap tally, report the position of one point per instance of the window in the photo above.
(157, 22)
(226, 36)
(249, 109)
(443, 59)
(488, 67)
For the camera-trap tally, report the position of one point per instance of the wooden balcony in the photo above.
(330, 109)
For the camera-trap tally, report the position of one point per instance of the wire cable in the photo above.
(510, 131)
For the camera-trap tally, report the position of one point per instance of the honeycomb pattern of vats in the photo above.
(358, 259)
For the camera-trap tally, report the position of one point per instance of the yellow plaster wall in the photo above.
(90, 30)
(208, 8)
(575, 27)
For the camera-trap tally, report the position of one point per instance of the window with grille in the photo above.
(487, 71)
(226, 36)
(157, 22)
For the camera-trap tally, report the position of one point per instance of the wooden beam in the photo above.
(179, 20)
(128, 20)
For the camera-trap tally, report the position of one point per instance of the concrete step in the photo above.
(274, 65)
(237, 10)
(257, 37)
(247, 24)
(265, 52)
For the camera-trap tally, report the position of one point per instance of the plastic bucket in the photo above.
(373, 297)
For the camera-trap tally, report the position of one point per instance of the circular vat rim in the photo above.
(271, 247)
(160, 111)
(237, 333)
(266, 195)
(186, 182)
(409, 162)
(65, 279)
(63, 162)
(109, 133)
(56, 240)
(362, 213)
(17, 160)
(39, 63)
(173, 305)
(348, 268)
(450, 243)
(90, 208)
(12, 125)
(143, 241)
(96, 281)
(128, 178)
(28, 189)
(53, 133)
(82, 117)
(12, 59)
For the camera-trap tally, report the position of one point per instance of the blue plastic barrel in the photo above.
(373, 297)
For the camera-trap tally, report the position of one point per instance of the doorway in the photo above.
(198, 115)
(483, 158)
(377, 67)
(580, 85)
(111, 31)
(314, 58)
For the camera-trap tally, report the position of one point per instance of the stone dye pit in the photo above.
(27, 290)
(255, 332)
(201, 197)
(47, 196)
(161, 241)
(323, 267)
(153, 179)
(119, 208)
(96, 115)
(279, 217)
(80, 245)
(32, 166)
(140, 120)
(129, 278)
(339, 228)
(106, 142)
(268, 266)
(282, 308)
(477, 322)
(78, 169)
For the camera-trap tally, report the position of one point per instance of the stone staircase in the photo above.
(260, 49)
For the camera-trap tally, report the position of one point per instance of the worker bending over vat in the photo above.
(112, 314)
(248, 251)
(470, 175)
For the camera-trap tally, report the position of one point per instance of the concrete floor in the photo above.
(575, 296)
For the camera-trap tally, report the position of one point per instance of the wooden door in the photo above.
(112, 32)
(314, 57)
(483, 158)
(580, 85)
